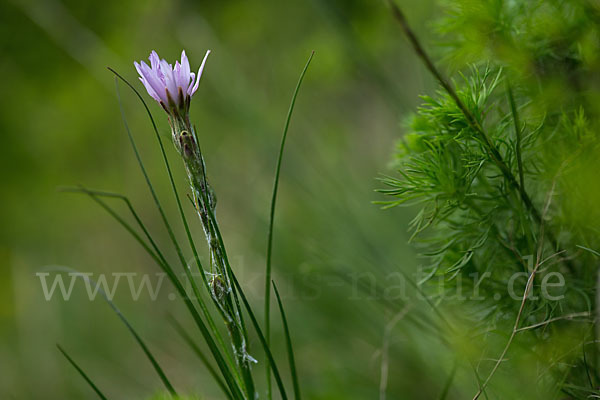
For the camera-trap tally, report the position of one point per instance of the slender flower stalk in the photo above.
(173, 87)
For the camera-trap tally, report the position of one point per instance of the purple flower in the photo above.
(171, 86)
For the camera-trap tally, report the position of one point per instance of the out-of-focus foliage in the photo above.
(60, 125)
(516, 197)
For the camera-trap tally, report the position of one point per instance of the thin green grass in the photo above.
(206, 333)
(237, 289)
(82, 373)
(188, 339)
(288, 342)
(272, 218)
(136, 336)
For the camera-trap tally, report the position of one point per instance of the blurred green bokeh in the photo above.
(61, 125)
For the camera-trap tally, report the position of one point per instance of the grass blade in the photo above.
(95, 195)
(170, 173)
(238, 289)
(150, 186)
(83, 374)
(223, 367)
(215, 226)
(157, 253)
(272, 218)
(188, 339)
(262, 339)
(290, 349)
(137, 337)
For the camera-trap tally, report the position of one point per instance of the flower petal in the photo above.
(185, 70)
(154, 81)
(154, 60)
(140, 71)
(169, 79)
(192, 90)
(149, 89)
(180, 81)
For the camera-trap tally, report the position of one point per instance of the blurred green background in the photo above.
(61, 125)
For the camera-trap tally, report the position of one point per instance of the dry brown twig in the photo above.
(567, 317)
(526, 293)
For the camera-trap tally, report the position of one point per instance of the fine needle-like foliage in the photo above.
(498, 166)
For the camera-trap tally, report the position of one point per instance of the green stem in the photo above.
(220, 287)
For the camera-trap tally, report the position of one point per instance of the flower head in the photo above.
(172, 87)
